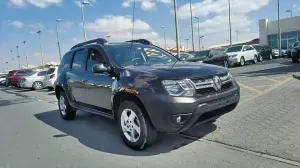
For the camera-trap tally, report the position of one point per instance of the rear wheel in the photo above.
(242, 61)
(295, 60)
(135, 127)
(6, 83)
(270, 57)
(37, 85)
(255, 59)
(226, 65)
(66, 111)
(260, 58)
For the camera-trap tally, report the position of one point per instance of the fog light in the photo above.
(178, 119)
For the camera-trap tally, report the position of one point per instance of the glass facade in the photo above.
(287, 39)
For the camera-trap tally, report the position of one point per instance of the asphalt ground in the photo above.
(263, 131)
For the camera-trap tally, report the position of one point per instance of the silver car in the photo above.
(33, 81)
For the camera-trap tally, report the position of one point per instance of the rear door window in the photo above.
(50, 70)
(43, 73)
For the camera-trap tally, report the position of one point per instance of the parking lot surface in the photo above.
(263, 131)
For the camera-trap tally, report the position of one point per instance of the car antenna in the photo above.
(133, 19)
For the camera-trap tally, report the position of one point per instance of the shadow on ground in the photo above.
(101, 134)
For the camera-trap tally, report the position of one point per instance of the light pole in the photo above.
(230, 22)
(191, 11)
(290, 11)
(279, 31)
(2, 64)
(163, 27)
(199, 33)
(41, 48)
(202, 41)
(82, 13)
(26, 58)
(58, 44)
(108, 36)
(187, 43)
(176, 27)
(237, 36)
(18, 56)
(14, 63)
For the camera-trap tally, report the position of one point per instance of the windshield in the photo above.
(138, 54)
(258, 48)
(204, 53)
(234, 49)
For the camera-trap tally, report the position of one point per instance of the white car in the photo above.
(2, 78)
(241, 54)
(50, 78)
(33, 80)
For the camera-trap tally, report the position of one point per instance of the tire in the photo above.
(37, 85)
(18, 83)
(66, 111)
(226, 64)
(242, 61)
(135, 127)
(6, 84)
(260, 59)
(294, 60)
(270, 57)
(255, 59)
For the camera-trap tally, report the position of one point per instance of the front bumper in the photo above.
(233, 61)
(295, 55)
(163, 109)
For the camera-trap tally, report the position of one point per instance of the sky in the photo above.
(21, 19)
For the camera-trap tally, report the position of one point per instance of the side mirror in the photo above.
(100, 68)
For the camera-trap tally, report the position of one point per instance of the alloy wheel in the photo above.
(38, 85)
(130, 125)
(62, 105)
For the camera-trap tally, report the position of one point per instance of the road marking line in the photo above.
(250, 88)
(248, 99)
(279, 84)
(263, 86)
(270, 79)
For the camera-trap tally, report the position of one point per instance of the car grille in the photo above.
(206, 86)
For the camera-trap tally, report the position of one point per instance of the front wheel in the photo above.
(255, 59)
(66, 111)
(135, 127)
(242, 61)
(37, 85)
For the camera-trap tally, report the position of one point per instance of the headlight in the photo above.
(235, 55)
(293, 50)
(230, 75)
(178, 88)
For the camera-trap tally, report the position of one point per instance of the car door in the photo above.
(249, 53)
(98, 86)
(75, 77)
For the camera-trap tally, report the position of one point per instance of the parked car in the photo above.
(289, 53)
(264, 52)
(241, 54)
(295, 54)
(3, 78)
(184, 56)
(143, 88)
(33, 80)
(13, 77)
(212, 56)
(50, 78)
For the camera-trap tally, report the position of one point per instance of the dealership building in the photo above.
(290, 32)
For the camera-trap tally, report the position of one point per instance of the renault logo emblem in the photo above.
(217, 83)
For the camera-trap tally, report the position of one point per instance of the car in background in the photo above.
(289, 52)
(184, 56)
(211, 56)
(241, 54)
(264, 52)
(295, 54)
(50, 78)
(33, 80)
(13, 77)
(3, 78)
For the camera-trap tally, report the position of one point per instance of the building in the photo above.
(290, 32)
(244, 42)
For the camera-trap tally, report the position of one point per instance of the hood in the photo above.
(232, 53)
(180, 70)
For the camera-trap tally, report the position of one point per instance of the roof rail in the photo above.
(100, 41)
(142, 41)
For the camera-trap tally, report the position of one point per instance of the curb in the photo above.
(297, 76)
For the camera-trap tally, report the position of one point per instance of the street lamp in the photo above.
(163, 27)
(82, 13)
(199, 33)
(18, 56)
(187, 43)
(25, 53)
(41, 48)
(237, 36)
(177, 29)
(2, 63)
(58, 44)
(191, 11)
(14, 63)
(290, 11)
(230, 22)
(202, 41)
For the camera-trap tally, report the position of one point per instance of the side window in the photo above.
(94, 57)
(79, 60)
(66, 61)
(43, 73)
(212, 53)
(249, 48)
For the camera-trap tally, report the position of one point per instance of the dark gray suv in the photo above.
(143, 88)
